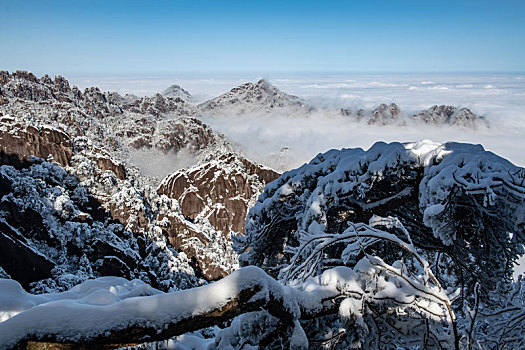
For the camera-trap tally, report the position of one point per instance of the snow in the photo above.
(98, 306)
(298, 339)
(350, 307)
(104, 304)
(353, 171)
(102, 291)
(187, 342)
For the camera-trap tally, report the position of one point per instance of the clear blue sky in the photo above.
(132, 37)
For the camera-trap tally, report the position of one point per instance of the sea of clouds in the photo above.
(284, 142)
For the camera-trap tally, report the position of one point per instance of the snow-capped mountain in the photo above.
(260, 97)
(177, 91)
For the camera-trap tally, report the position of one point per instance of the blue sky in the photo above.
(132, 37)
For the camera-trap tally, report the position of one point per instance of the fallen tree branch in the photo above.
(147, 318)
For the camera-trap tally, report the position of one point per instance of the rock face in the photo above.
(25, 141)
(448, 115)
(214, 194)
(260, 97)
(159, 104)
(81, 221)
(175, 91)
(165, 135)
(17, 259)
(220, 191)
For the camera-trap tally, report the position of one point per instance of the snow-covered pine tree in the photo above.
(460, 207)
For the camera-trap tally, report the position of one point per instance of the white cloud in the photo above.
(153, 162)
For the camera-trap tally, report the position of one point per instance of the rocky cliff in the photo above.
(220, 191)
(451, 115)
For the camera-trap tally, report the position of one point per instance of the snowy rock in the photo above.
(381, 115)
(448, 115)
(384, 114)
(23, 84)
(437, 115)
(18, 259)
(158, 105)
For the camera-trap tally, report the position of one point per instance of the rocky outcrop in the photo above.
(437, 115)
(25, 85)
(97, 104)
(220, 191)
(448, 115)
(214, 198)
(25, 141)
(384, 114)
(31, 247)
(140, 132)
(381, 115)
(83, 223)
(19, 260)
(210, 254)
(260, 97)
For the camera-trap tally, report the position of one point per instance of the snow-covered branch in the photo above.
(94, 313)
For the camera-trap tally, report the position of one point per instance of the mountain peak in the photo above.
(264, 82)
(250, 97)
(176, 91)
